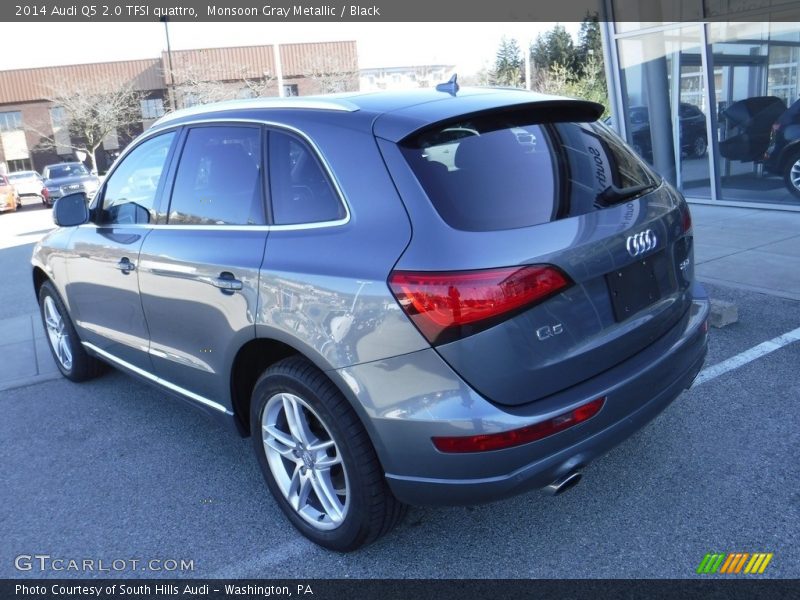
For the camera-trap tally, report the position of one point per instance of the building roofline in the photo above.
(154, 60)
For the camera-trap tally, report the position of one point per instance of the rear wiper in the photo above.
(614, 195)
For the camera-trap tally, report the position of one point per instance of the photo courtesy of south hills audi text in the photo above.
(129, 590)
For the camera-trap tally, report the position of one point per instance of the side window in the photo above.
(130, 192)
(300, 190)
(218, 181)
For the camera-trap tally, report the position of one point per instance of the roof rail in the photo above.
(308, 103)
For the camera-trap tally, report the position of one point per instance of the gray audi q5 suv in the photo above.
(431, 297)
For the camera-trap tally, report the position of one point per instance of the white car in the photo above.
(28, 183)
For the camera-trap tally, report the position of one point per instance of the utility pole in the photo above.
(171, 89)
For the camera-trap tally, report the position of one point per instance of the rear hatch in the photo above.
(544, 250)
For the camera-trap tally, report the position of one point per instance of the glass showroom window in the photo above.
(758, 112)
(665, 107)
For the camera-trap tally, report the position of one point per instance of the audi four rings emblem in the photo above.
(642, 242)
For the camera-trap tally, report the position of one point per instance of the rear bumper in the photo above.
(412, 398)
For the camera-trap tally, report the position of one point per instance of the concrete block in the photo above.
(723, 313)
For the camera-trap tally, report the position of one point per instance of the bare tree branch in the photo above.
(91, 112)
(207, 82)
(331, 73)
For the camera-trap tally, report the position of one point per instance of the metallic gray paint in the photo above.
(322, 289)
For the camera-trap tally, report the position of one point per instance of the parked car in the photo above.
(69, 178)
(782, 156)
(9, 199)
(746, 127)
(389, 331)
(692, 124)
(28, 183)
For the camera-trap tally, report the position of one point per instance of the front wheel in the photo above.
(318, 460)
(791, 174)
(71, 358)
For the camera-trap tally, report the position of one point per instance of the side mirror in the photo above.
(71, 210)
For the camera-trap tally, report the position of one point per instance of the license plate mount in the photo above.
(635, 286)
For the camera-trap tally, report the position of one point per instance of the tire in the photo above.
(699, 147)
(63, 340)
(358, 507)
(791, 173)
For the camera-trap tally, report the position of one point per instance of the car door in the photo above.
(102, 287)
(199, 272)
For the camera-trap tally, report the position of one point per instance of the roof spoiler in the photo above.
(553, 110)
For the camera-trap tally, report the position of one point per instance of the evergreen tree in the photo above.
(508, 69)
(590, 42)
(554, 48)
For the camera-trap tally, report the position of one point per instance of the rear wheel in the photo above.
(791, 174)
(317, 459)
(71, 358)
(699, 147)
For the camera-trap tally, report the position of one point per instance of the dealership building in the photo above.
(34, 132)
(706, 102)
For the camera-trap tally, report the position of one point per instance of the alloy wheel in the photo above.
(305, 461)
(57, 334)
(794, 174)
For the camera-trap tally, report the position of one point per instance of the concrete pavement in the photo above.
(748, 248)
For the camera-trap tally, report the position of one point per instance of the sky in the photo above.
(469, 46)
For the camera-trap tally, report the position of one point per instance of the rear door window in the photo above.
(500, 172)
(218, 181)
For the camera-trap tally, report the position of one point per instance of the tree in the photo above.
(508, 64)
(554, 48)
(331, 74)
(91, 112)
(590, 43)
(563, 69)
(206, 82)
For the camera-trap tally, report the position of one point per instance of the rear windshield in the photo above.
(501, 172)
(21, 176)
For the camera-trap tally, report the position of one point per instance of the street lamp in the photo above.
(171, 90)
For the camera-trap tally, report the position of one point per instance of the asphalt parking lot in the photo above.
(113, 469)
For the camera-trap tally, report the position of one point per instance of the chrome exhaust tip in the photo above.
(559, 486)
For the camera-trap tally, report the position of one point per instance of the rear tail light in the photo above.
(686, 219)
(45, 194)
(517, 437)
(448, 305)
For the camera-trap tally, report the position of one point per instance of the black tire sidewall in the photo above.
(79, 357)
(354, 527)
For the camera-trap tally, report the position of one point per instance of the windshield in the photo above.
(19, 176)
(60, 171)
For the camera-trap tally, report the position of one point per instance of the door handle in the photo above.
(126, 266)
(227, 283)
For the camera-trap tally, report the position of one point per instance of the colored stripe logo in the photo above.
(735, 563)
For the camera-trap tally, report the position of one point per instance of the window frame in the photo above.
(96, 207)
(163, 216)
(315, 153)
(168, 177)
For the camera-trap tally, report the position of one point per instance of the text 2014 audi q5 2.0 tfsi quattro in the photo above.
(434, 297)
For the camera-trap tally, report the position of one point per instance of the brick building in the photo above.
(34, 131)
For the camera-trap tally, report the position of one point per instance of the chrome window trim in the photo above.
(155, 379)
(264, 123)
